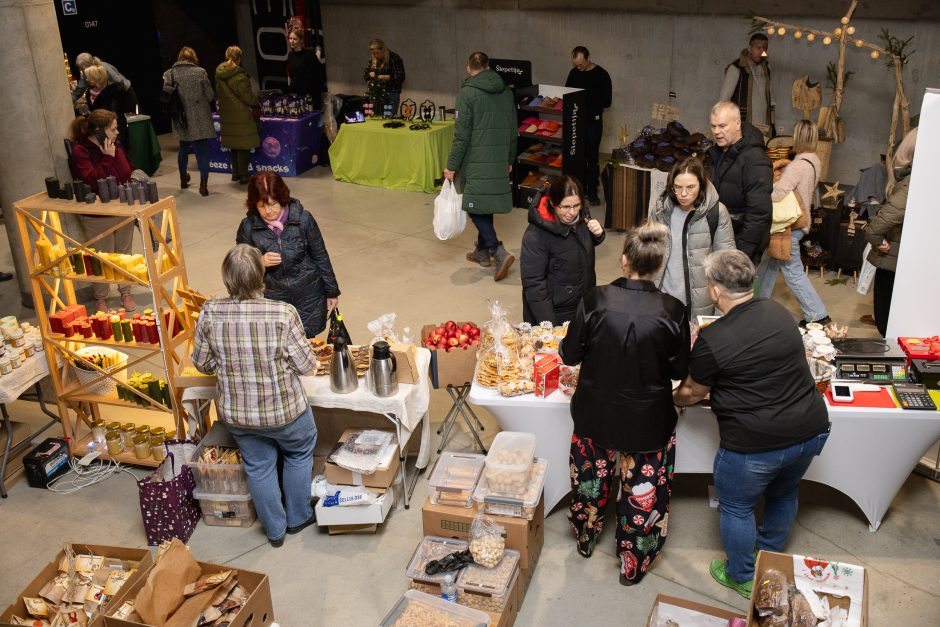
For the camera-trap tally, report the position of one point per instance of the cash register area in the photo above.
(387, 258)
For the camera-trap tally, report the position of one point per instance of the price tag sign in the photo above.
(664, 112)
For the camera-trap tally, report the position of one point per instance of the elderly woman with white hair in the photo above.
(257, 348)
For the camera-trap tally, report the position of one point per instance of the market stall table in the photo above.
(367, 153)
(12, 385)
(145, 148)
(289, 146)
(407, 410)
(894, 437)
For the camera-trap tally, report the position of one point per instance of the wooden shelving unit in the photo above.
(157, 234)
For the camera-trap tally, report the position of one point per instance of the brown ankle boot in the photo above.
(184, 180)
(203, 185)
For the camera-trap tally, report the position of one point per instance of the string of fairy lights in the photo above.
(846, 30)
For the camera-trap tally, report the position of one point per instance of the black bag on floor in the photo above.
(850, 246)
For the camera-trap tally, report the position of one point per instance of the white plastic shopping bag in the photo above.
(867, 274)
(449, 216)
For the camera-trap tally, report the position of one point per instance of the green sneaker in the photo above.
(720, 575)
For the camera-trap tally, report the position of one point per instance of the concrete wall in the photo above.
(647, 54)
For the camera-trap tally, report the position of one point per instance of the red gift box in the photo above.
(547, 369)
(926, 348)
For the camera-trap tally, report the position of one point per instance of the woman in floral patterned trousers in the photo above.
(632, 341)
(642, 502)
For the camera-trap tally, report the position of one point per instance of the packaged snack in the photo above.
(487, 541)
(770, 596)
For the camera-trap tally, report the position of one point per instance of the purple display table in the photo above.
(289, 146)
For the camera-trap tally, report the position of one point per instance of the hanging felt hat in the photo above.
(662, 149)
(647, 161)
(664, 164)
(640, 146)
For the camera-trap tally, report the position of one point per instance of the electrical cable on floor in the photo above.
(79, 476)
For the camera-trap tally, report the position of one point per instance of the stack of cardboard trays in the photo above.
(384, 482)
(459, 491)
(94, 572)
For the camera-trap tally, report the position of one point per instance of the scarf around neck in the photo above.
(277, 225)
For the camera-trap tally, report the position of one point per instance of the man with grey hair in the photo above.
(83, 61)
(744, 177)
(771, 420)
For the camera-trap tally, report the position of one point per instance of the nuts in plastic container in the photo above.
(454, 478)
(417, 609)
(521, 507)
(488, 589)
(508, 463)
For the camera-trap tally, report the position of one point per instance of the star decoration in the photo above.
(832, 191)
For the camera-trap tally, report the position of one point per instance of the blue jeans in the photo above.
(812, 306)
(740, 480)
(201, 148)
(487, 239)
(260, 448)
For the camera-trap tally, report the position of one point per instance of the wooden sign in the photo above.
(664, 112)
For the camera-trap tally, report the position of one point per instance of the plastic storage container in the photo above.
(226, 510)
(417, 609)
(489, 589)
(518, 507)
(454, 478)
(429, 549)
(227, 479)
(508, 463)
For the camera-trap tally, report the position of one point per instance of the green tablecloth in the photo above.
(394, 158)
(145, 149)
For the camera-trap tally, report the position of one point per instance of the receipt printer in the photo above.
(926, 373)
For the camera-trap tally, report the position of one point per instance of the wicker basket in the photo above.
(106, 386)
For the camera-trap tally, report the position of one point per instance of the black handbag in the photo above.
(337, 328)
(172, 103)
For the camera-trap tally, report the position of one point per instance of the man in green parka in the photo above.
(482, 156)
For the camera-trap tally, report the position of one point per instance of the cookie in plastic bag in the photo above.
(487, 541)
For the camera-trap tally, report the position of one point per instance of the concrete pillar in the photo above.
(36, 111)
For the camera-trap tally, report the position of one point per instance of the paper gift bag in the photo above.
(167, 505)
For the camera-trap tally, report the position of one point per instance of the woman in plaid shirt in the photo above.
(257, 348)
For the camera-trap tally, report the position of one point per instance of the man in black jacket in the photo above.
(594, 79)
(744, 177)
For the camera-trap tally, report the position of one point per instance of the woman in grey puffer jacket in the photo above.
(698, 224)
(194, 129)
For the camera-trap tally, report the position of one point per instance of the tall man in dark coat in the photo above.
(595, 80)
(747, 84)
(744, 177)
(482, 156)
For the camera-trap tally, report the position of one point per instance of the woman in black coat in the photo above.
(631, 341)
(114, 97)
(558, 253)
(297, 265)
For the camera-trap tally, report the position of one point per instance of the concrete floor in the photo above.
(387, 259)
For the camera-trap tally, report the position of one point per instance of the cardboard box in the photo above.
(826, 570)
(708, 610)
(257, 612)
(383, 477)
(525, 536)
(49, 572)
(338, 530)
(356, 514)
(453, 368)
(406, 362)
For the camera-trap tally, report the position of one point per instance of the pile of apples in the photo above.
(452, 336)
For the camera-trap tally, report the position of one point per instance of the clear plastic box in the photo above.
(226, 510)
(429, 549)
(228, 479)
(454, 478)
(417, 609)
(497, 504)
(489, 589)
(508, 463)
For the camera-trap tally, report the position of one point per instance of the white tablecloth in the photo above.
(868, 457)
(33, 370)
(406, 410)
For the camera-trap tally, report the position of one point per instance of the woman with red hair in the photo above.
(297, 265)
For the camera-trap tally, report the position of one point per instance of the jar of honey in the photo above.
(141, 446)
(115, 442)
(157, 449)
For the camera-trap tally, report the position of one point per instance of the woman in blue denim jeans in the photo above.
(257, 348)
(771, 419)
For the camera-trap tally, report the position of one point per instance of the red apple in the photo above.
(466, 327)
(463, 338)
(450, 325)
(440, 330)
(436, 337)
(474, 341)
(441, 345)
(453, 341)
(474, 332)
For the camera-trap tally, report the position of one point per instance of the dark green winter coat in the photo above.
(235, 96)
(887, 226)
(484, 143)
